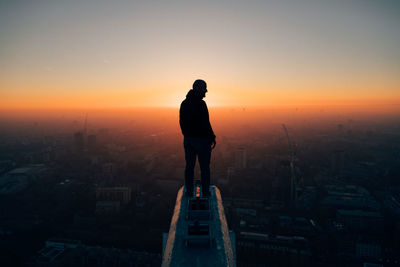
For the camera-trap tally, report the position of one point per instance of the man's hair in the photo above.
(199, 85)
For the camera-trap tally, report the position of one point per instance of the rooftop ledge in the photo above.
(199, 234)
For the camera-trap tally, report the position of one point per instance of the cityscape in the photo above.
(301, 186)
(290, 109)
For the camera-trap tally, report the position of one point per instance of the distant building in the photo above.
(122, 194)
(79, 141)
(240, 159)
(19, 178)
(361, 220)
(340, 128)
(368, 250)
(258, 249)
(168, 184)
(306, 200)
(54, 252)
(229, 174)
(243, 203)
(368, 264)
(139, 201)
(250, 212)
(107, 207)
(391, 202)
(104, 135)
(297, 225)
(337, 161)
(109, 169)
(94, 159)
(92, 142)
(349, 197)
(62, 243)
(6, 165)
(64, 252)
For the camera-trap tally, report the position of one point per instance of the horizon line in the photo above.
(209, 106)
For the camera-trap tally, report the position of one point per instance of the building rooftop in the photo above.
(351, 202)
(360, 213)
(33, 168)
(199, 234)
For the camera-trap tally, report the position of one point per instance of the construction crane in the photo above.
(292, 148)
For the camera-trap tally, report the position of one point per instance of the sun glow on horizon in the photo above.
(68, 55)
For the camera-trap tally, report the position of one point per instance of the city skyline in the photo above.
(303, 98)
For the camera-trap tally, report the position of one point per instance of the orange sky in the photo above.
(125, 97)
(103, 55)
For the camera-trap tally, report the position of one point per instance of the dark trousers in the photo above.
(200, 147)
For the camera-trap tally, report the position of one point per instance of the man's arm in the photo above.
(182, 119)
(210, 131)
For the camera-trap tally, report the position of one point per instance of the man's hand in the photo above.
(213, 144)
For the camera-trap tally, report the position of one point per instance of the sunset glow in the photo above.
(98, 54)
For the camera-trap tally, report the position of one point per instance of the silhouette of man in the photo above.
(199, 137)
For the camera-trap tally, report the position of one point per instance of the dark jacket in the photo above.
(193, 117)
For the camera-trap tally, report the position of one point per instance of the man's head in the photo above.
(200, 86)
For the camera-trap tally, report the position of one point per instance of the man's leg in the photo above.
(204, 160)
(190, 157)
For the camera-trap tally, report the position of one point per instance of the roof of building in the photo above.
(218, 252)
(360, 213)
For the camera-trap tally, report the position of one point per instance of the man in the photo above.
(199, 137)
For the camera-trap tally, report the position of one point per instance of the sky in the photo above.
(120, 54)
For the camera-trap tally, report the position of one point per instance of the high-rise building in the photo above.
(240, 158)
(337, 161)
(109, 169)
(79, 141)
(122, 194)
(92, 142)
(229, 175)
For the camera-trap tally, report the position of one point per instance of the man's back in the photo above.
(193, 117)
